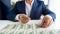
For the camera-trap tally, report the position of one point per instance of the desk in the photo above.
(4, 23)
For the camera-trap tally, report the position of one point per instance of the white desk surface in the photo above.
(4, 23)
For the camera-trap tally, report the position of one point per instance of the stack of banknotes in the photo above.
(26, 29)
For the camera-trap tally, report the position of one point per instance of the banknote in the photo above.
(26, 29)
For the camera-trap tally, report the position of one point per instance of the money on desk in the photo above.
(26, 29)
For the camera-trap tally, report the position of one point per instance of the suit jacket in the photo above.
(0, 13)
(38, 9)
(5, 7)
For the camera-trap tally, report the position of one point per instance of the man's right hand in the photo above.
(24, 18)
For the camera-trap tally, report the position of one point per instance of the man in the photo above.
(4, 7)
(32, 10)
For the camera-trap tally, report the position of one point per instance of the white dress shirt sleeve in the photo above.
(41, 18)
(49, 16)
(17, 17)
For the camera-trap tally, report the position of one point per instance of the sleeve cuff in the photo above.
(49, 16)
(17, 17)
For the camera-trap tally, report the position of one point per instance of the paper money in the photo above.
(26, 29)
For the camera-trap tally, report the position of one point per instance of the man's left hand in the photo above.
(46, 22)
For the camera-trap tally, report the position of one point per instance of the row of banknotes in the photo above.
(26, 29)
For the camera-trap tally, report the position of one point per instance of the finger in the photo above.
(25, 21)
(44, 25)
(50, 22)
(42, 22)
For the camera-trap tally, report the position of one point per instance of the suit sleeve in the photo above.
(46, 11)
(12, 13)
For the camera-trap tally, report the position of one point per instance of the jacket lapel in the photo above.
(23, 7)
(34, 8)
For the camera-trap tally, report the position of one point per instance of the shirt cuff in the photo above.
(17, 17)
(49, 16)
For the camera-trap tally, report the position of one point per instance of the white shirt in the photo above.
(28, 10)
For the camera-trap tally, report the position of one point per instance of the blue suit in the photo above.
(0, 12)
(38, 9)
(4, 8)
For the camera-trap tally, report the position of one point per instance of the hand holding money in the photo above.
(24, 18)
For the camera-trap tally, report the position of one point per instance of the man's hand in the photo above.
(46, 22)
(24, 18)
